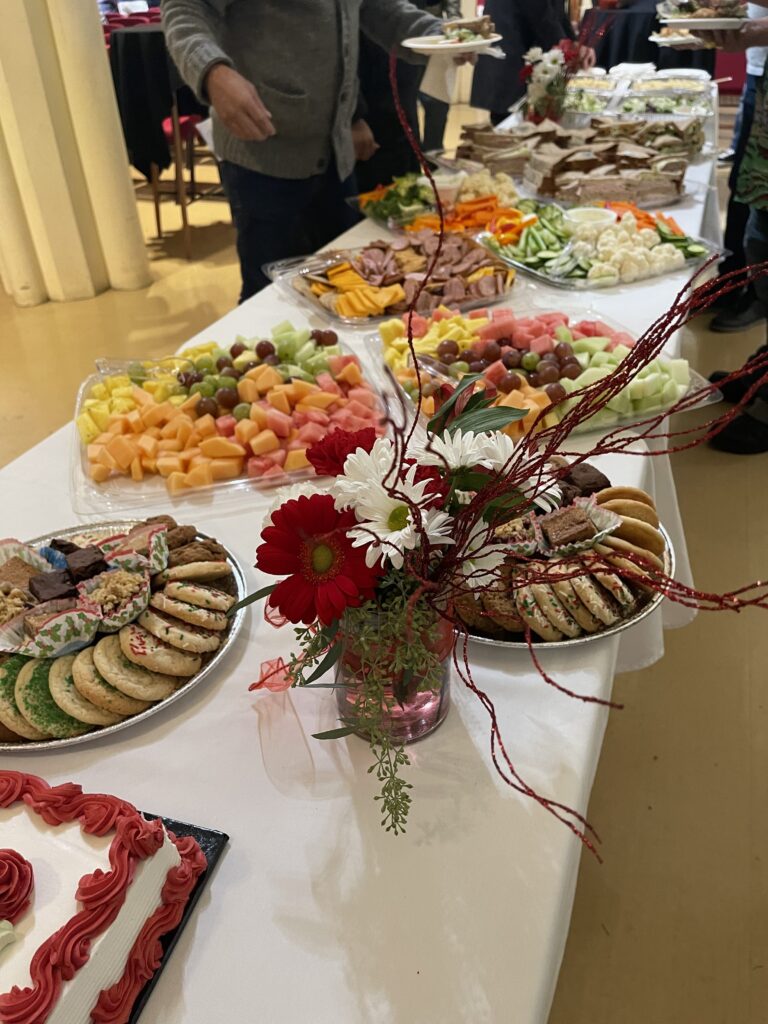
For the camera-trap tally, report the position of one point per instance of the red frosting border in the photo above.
(101, 894)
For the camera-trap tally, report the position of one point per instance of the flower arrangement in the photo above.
(547, 76)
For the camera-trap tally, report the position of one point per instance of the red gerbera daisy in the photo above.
(329, 455)
(308, 543)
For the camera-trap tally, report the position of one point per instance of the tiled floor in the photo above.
(673, 927)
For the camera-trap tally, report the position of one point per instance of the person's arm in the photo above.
(752, 33)
(388, 22)
(192, 28)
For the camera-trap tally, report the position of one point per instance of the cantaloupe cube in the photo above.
(169, 430)
(176, 482)
(149, 464)
(169, 444)
(105, 459)
(350, 374)
(269, 378)
(205, 426)
(279, 400)
(197, 460)
(318, 400)
(259, 415)
(221, 448)
(190, 404)
(157, 415)
(153, 432)
(92, 450)
(200, 476)
(187, 454)
(247, 390)
(296, 459)
(226, 469)
(302, 388)
(99, 473)
(256, 372)
(265, 441)
(167, 464)
(140, 396)
(147, 445)
(122, 450)
(246, 429)
(184, 429)
(428, 406)
(103, 438)
(118, 425)
(137, 470)
(135, 421)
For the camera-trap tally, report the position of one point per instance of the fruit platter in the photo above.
(613, 243)
(360, 286)
(101, 626)
(560, 583)
(534, 361)
(212, 417)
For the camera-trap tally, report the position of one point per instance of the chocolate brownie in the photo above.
(65, 547)
(86, 562)
(49, 586)
(588, 479)
(567, 526)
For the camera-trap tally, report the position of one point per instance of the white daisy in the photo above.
(387, 522)
(482, 557)
(362, 470)
(534, 54)
(458, 450)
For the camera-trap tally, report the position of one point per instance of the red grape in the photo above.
(510, 382)
(222, 362)
(447, 348)
(209, 406)
(511, 359)
(237, 349)
(264, 349)
(227, 398)
(570, 370)
(230, 371)
(491, 351)
(548, 373)
(563, 350)
(556, 393)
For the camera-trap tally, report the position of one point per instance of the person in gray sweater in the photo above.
(281, 77)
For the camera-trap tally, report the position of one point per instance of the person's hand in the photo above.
(752, 33)
(363, 140)
(465, 58)
(587, 58)
(238, 104)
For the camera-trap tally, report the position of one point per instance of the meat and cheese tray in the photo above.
(362, 286)
(534, 361)
(576, 573)
(614, 243)
(228, 419)
(103, 625)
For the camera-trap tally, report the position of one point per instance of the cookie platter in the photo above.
(233, 585)
(650, 606)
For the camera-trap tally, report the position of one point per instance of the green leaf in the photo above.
(437, 423)
(264, 592)
(330, 658)
(334, 734)
(487, 420)
(469, 480)
(498, 510)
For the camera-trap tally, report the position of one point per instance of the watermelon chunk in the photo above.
(363, 395)
(280, 422)
(310, 433)
(277, 457)
(497, 329)
(495, 372)
(273, 471)
(225, 426)
(326, 382)
(256, 466)
(316, 416)
(542, 344)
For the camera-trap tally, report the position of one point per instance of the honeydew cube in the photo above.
(603, 359)
(643, 387)
(649, 403)
(583, 359)
(621, 352)
(621, 403)
(669, 393)
(592, 375)
(603, 418)
(591, 345)
(653, 367)
(678, 370)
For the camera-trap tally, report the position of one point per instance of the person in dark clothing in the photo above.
(522, 24)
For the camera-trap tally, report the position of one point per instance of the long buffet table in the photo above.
(315, 913)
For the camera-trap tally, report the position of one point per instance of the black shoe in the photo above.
(732, 321)
(725, 156)
(747, 434)
(735, 390)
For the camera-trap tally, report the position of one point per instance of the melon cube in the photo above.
(296, 459)
(176, 482)
(200, 476)
(311, 433)
(265, 441)
(225, 425)
(279, 400)
(279, 422)
(226, 469)
(255, 466)
(99, 473)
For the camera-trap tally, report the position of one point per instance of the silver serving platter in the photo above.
(105, 529)
(579, 641)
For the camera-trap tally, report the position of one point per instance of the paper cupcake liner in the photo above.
(149, 543)
(130, 609)
(69, 629)
(11, 548)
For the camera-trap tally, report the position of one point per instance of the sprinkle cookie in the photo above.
(148, 652)
(10, 716)
(561, 619)
(179, 634)
(597, 601)
(533, 616)
(202, 597)
(191, 613)
(571, 601)
(131, 679)
(34, 701)
(63, 690)
(92, 685)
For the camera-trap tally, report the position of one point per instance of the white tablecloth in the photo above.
(315, 913)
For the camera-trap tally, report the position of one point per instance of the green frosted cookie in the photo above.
(10, 715)
(34, 700)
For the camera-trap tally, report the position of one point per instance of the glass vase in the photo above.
(410, 707)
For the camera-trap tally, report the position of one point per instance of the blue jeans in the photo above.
(277, 218)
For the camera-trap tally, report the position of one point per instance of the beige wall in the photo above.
(69, 223)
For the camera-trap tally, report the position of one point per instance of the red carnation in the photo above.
(308, 544)
(329, 455)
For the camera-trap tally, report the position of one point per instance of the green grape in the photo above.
(205, 364)
(242, 411)
(227, 382)
(530, 361)
(203, 388)
(459, 367)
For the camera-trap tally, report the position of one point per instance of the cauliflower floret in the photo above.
(648, 237)
(603, 272)
(585, 233)
(583, 250)
(630, 269)
(629, 223)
